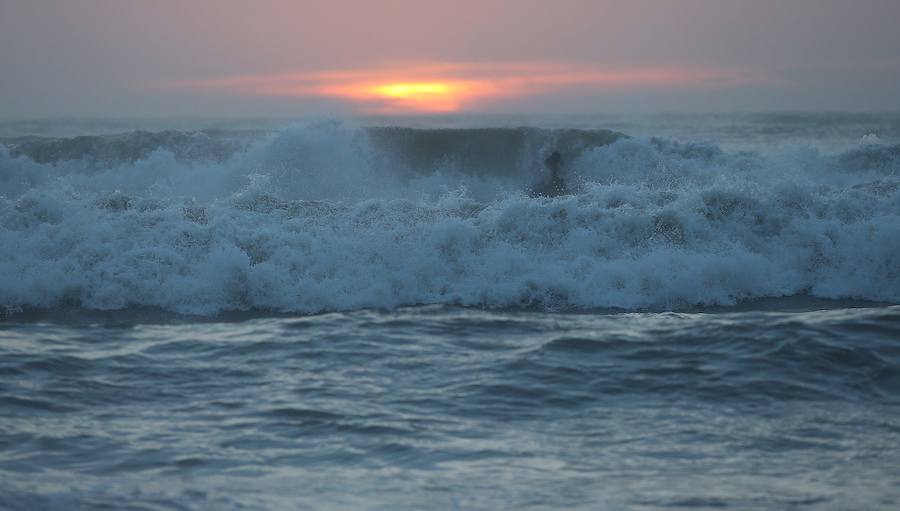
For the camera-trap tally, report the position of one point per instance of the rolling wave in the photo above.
(334, 217)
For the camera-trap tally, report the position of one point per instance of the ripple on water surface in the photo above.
(459, 408)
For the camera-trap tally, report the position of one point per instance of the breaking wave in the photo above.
(330, 217)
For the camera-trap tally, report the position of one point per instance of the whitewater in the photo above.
(333, 217)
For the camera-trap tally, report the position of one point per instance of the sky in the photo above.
(282, 58)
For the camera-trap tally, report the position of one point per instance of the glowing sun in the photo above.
(421, 96)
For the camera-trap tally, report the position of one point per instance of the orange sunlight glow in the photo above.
(453, 87)
(411, 95)
(432, 96)
(412, 90)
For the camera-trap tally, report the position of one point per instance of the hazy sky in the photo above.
(126, 58)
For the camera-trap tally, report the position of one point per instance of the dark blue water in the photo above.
(771, 406)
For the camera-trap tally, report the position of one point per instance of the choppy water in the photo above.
(453, 408)
(329, 316)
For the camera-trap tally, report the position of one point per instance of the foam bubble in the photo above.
(328, 217)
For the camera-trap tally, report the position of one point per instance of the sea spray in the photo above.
(329, 217)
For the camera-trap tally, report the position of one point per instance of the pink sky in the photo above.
(294, 58)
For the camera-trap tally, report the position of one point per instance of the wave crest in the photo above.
(331, 217)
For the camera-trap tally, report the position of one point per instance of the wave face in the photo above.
(331, 217)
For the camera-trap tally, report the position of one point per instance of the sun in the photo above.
(423, 96)
(414, 90)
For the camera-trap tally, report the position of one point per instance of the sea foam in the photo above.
(330, 217)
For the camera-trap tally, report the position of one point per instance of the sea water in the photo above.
(389, 314)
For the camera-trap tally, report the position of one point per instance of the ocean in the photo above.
(553, 312)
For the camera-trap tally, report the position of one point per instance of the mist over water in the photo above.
(397, 313)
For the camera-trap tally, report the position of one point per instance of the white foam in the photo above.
(313, 219)
(870, 139)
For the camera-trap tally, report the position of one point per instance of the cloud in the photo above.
(455, 86)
